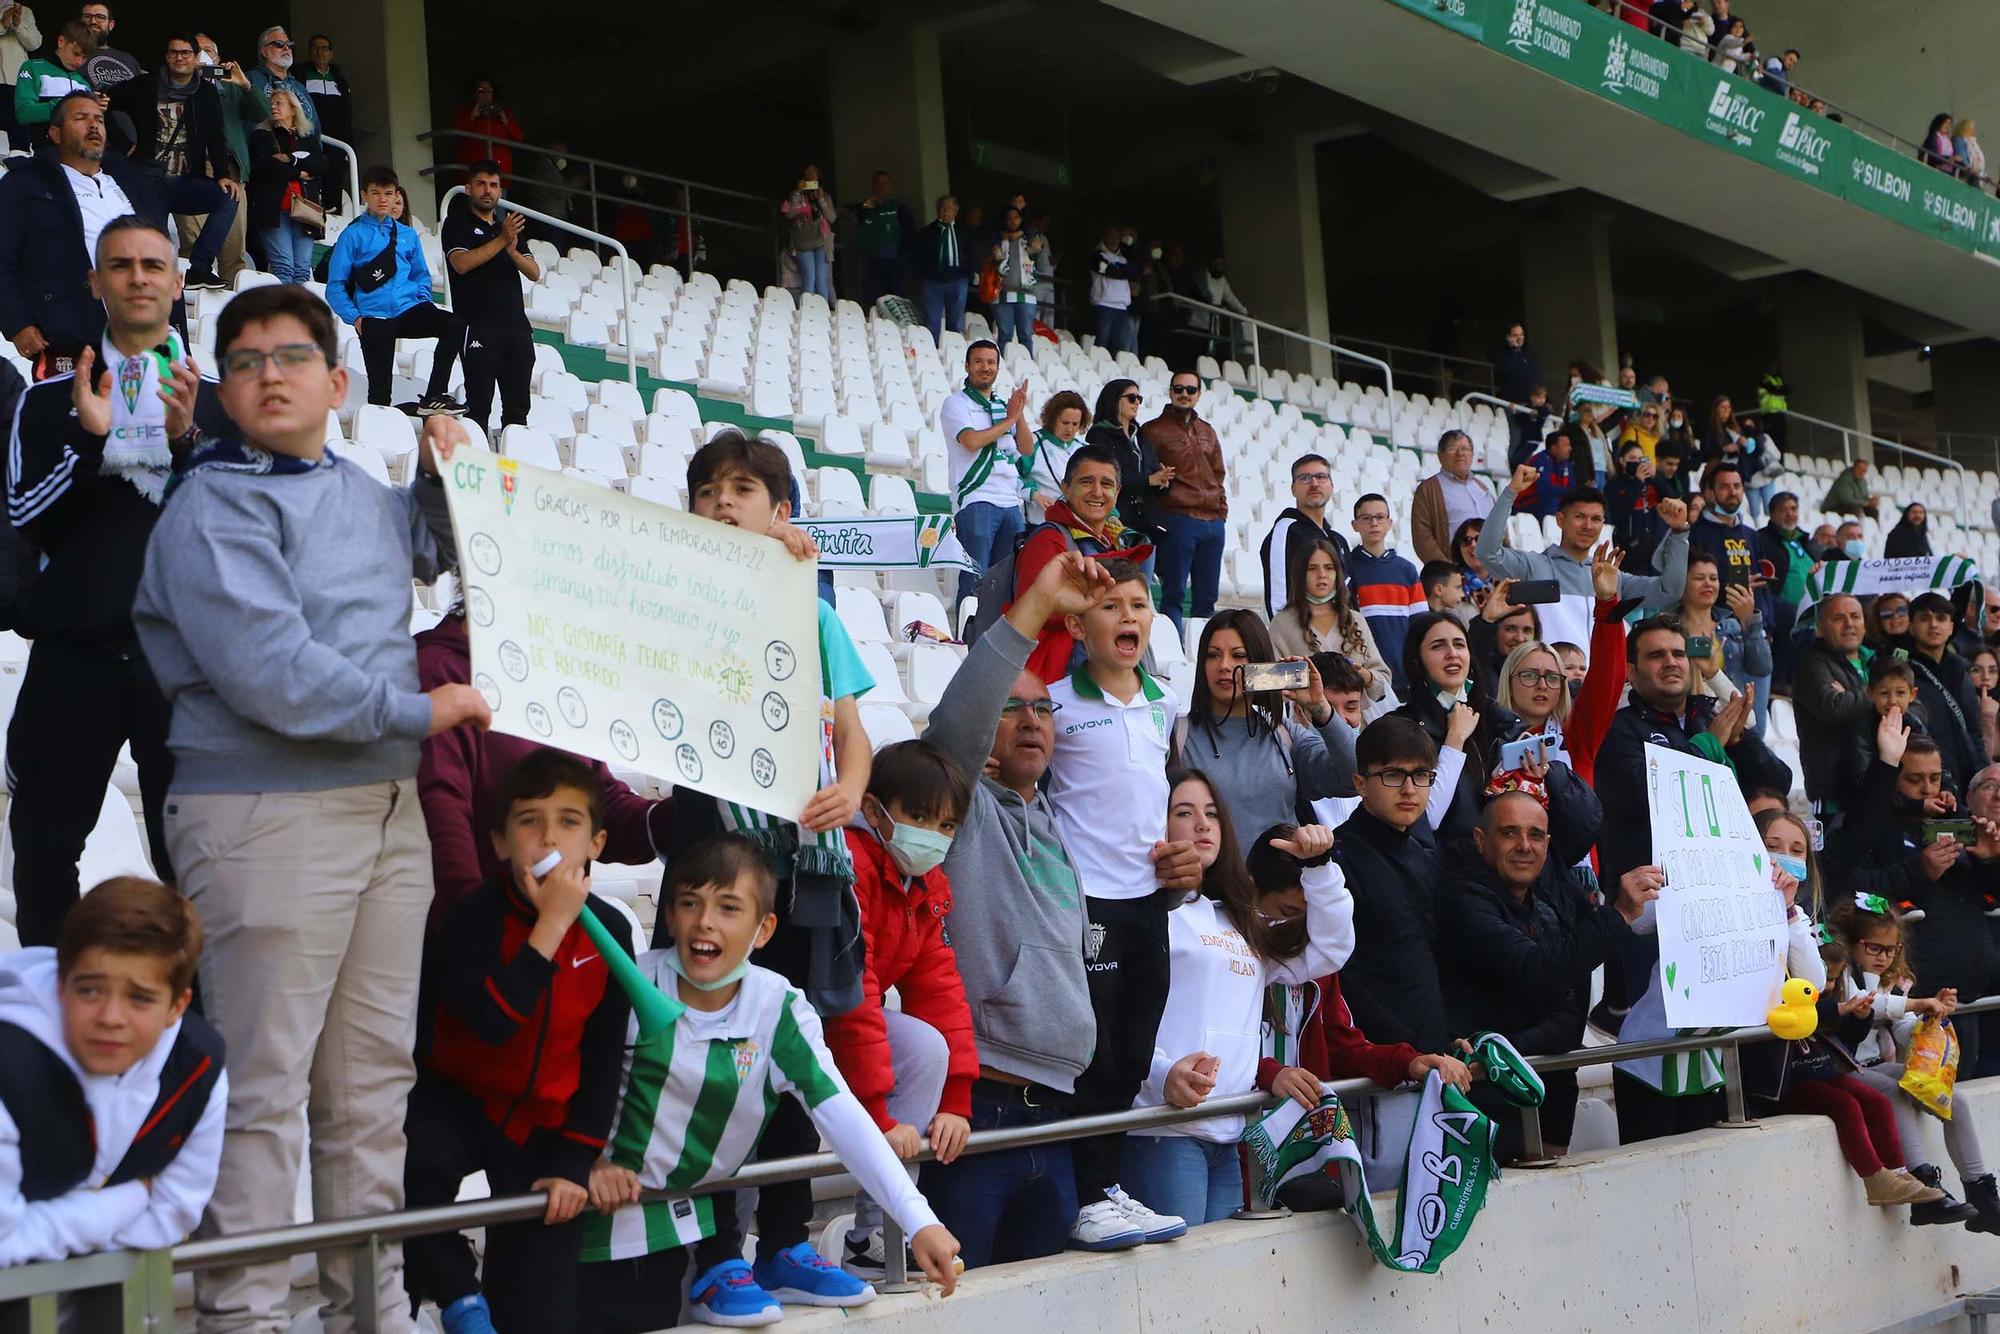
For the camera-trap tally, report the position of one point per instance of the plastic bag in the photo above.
(1931, 1069)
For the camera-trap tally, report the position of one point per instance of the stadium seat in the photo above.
(885, 723)
(861, 615)
(530, 446)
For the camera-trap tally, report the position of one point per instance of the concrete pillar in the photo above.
(1566, 299)
(885, 104)
(1271, 239)
(1965, 390)
(1822, 354)
(381, 46)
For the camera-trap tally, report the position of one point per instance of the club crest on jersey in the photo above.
(1093, 941)
(746, 1056)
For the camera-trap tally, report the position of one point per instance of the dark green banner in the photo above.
(1589, 49)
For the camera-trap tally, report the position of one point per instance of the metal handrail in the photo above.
(1849, 434)
(353, 164)
(624, 269)
(590, 189)
(1257, 363)
(28, 1282)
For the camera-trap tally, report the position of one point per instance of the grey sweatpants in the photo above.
(919, 1059)
(1961, 1137)
(314, 905)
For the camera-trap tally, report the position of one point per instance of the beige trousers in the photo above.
(230, 262)
(314, 906)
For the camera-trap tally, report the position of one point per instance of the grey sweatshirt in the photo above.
(275, 611)
(1017, 918)
(1570, 619)
(1251, 776)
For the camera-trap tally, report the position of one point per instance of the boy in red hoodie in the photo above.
(914, 1066)
(521, 1048)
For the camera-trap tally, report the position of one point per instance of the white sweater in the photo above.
(1215, 1002)
(89, 1219)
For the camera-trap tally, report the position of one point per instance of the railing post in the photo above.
(1737, 1111)
(1534, 1153)
(1249, 1212)
(368, 1286)
(895, 1259)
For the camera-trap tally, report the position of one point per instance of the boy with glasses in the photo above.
(274, 609)
(1194, 508)
(1387, 587)
(1301, 523)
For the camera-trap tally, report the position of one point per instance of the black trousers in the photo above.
(502, 357)
(1645, 1113)
(643, 1295)
(378, 347)
(78, 705)
(531, 1268)
(1128, 975)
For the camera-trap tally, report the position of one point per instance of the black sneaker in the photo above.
(439, 405)
(203, 280)
(1607, 1020)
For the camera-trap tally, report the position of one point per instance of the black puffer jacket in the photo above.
(1391, 982)
(1830, 720)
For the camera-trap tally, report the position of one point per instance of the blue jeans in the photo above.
(987, 532)
(199, 194)
(1762, 707)
(1011, 320)
(944, 305)
(1190, 547)
(1016, 1204)
(816, 272)
(289, 251)
(1178, 1174)
(1113, 329)
(1760, 499)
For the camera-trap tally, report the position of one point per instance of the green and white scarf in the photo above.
(1909, 575)
(982, 467)
(1445, 1173)
(137, 449)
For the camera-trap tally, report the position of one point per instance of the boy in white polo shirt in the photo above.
(1108, 785)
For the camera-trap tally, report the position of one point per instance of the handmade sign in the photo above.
(891, 542)
(1721, 921)
(639, 635)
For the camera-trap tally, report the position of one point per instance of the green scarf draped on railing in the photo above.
(1445, 1172)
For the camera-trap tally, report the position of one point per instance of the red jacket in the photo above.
(1331, 1047)
(1590, 713)
(540, 1042)
(1049, 659)
(902, 926)
(461, 769)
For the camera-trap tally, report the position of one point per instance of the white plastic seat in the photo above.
(594, 453)
(659, 490)
(885, 724)
(386, 431)
(860, 614)
(916, 605)
(930, 669)
(875, 657)
(530, 445)
(841, 490)
(891, 495)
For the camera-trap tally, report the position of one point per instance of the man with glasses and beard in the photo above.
(1194, 509)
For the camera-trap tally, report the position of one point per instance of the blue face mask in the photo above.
(728, 979)
(1855, 548)
(1795, 867)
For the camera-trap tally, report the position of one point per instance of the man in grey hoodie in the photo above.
(1581, 520)
(274, 609)
(1018, 924)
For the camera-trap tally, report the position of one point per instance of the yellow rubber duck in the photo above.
(1796, 1015)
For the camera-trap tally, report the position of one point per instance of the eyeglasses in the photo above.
(1398, 777)
(1874, 948)
(283, 46)
(248, 361)
(1044, 709)
(1893, 614)
(1311, 478)
(1133, 398)
(1531, 678)
(1185, 389)
(1984, 785)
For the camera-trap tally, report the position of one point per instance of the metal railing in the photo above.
(1253, 324)
(624, 267)
(1818, 429)
(353, 166)
(140, 1283)
(681, 210)
(1410, 362)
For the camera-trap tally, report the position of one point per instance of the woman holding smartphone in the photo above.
(1262, 764)
(1739, 652)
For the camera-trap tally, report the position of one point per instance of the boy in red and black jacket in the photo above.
(519, 1075)
(912, 1069)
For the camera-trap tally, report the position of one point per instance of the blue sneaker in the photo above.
(802, 1276)
(467, 1315)
(727, 1295)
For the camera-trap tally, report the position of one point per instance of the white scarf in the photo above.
(137, 448)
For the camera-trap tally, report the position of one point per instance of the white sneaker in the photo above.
(1157, 1227)
(1103, 1226)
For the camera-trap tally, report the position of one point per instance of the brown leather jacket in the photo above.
(1192, 450)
